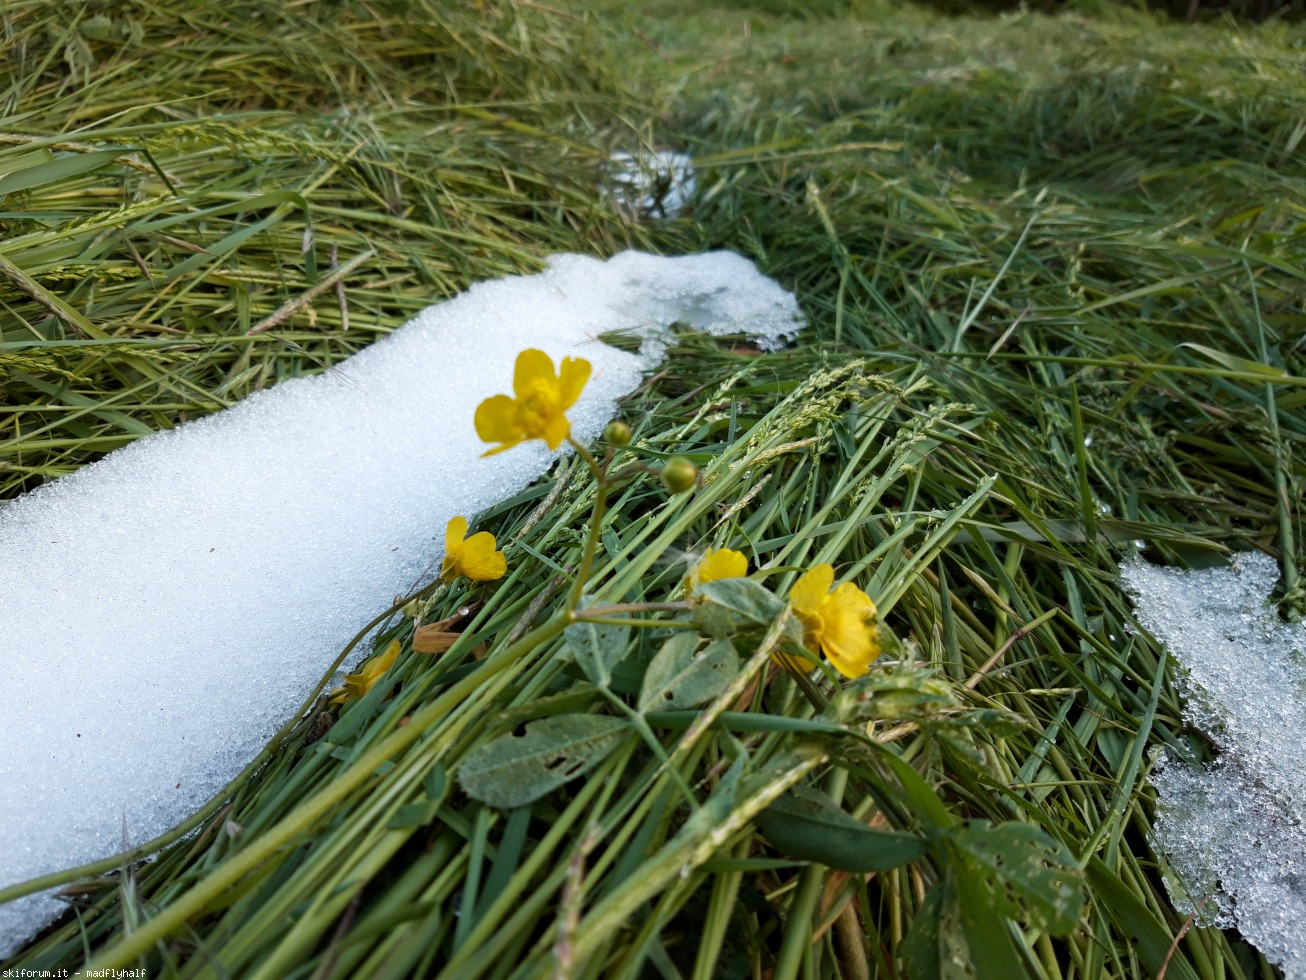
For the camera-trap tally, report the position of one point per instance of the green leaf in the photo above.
(1023, 873)
(1235, 363)
(513, 770)
(14, 158)
(806, 825)
(993, 954)
(597, 648)
(61, 168)
(64, 394)
(892, 694)
(917, 793)
(729, 605)
(1133, 917)
(414, 815)
(720, 804)
(935, 948)
(682, 675)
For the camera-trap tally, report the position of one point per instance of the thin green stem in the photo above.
(670, 624)
(596, 612)
(596, 523)
(1287, 545)
(1131, 364)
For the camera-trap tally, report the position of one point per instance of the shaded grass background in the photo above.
(1015, 225)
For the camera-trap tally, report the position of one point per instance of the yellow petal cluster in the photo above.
(475, 557)
(838, 623)
(540, 399)
(716, 564)
(356, 685)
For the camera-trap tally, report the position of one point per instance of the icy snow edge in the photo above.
(1233, 830)
(168, 607)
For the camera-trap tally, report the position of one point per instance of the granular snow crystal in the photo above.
(167, 608)
(1232, 830)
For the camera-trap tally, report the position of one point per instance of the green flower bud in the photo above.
(679, 475)
(617, 433)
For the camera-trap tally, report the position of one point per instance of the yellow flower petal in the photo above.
(840, 624)
(357, 685)
(379, 665)
(537, 410)
(476, 557)
(810, 589)
(715, 565)
(454, 532)
(480, 561)
(496, 420)
(572, 375)
(556, 431)
(532, 366)
(847, 636)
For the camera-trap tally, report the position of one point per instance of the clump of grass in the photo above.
(1125, 315)
(1038, 335)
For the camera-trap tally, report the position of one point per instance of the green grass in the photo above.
(1053, 269)
(175, 174)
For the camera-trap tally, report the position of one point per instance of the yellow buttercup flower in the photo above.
(476, 557)
(356, 685)
(716, 564)
(537, 410)
(840, 624)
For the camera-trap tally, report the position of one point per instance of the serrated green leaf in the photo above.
(597, 648)
(806, 825)
(513, 770)
(1023, 873)
(682, 675)
(729, 605)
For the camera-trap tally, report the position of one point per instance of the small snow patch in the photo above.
(1233, 830)
(653, 184)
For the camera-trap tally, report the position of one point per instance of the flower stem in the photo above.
(596, 522)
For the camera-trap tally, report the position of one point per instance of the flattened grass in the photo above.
(180, 179)
(1053, 270)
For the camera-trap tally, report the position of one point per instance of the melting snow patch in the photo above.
(657, 184)
(1233, 830)
(167, 608)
